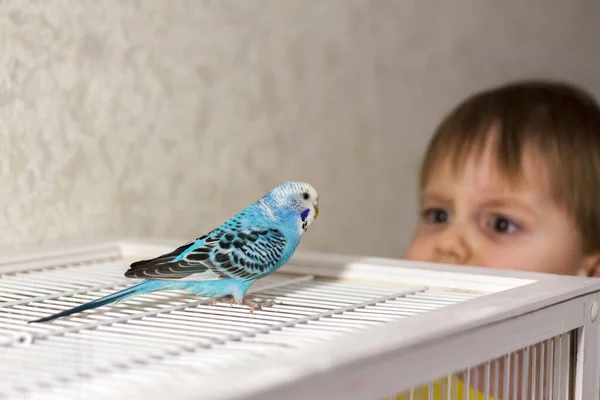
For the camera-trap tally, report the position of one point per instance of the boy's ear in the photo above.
(590, 266)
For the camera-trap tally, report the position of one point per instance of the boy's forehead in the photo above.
(482, 173)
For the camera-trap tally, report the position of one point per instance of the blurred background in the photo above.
(163, 118)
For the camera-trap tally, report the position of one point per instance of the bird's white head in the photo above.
(296, 200)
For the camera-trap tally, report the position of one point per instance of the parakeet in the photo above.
(225, 262)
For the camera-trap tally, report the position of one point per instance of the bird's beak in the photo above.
(316, 210)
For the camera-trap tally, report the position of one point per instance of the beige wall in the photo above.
(163, 118)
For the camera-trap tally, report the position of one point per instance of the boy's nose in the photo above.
(452, 247)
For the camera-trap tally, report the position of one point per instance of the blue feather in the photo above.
(140, 288)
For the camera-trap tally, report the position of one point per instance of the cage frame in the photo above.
(370, 363)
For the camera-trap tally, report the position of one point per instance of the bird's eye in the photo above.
(305, 195)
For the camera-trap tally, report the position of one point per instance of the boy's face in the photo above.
(477, 218)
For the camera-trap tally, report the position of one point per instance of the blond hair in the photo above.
(560, 120)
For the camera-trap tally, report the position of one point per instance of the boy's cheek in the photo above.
(420, 249)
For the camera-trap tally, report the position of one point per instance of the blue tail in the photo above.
(140, 288)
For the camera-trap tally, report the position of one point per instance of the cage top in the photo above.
(332, 311)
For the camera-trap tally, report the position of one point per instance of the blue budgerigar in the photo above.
(225, 262)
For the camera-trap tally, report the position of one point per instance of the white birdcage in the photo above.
(342, 328)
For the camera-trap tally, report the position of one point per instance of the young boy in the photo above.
(511, 180)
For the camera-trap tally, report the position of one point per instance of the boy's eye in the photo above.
(501, 224)
(436, 215)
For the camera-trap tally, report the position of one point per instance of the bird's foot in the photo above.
(257, 305)
(225, 299)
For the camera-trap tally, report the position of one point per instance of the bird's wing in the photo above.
(242, 251)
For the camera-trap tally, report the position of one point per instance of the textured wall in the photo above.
(163, 118)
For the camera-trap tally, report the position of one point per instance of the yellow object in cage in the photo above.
(446, 389)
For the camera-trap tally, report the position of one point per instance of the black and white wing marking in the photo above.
(244, 254)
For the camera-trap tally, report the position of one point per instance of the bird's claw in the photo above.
(246, 301)
(256, 305)
(225, 299)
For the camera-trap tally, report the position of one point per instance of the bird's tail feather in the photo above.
(117, 297)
